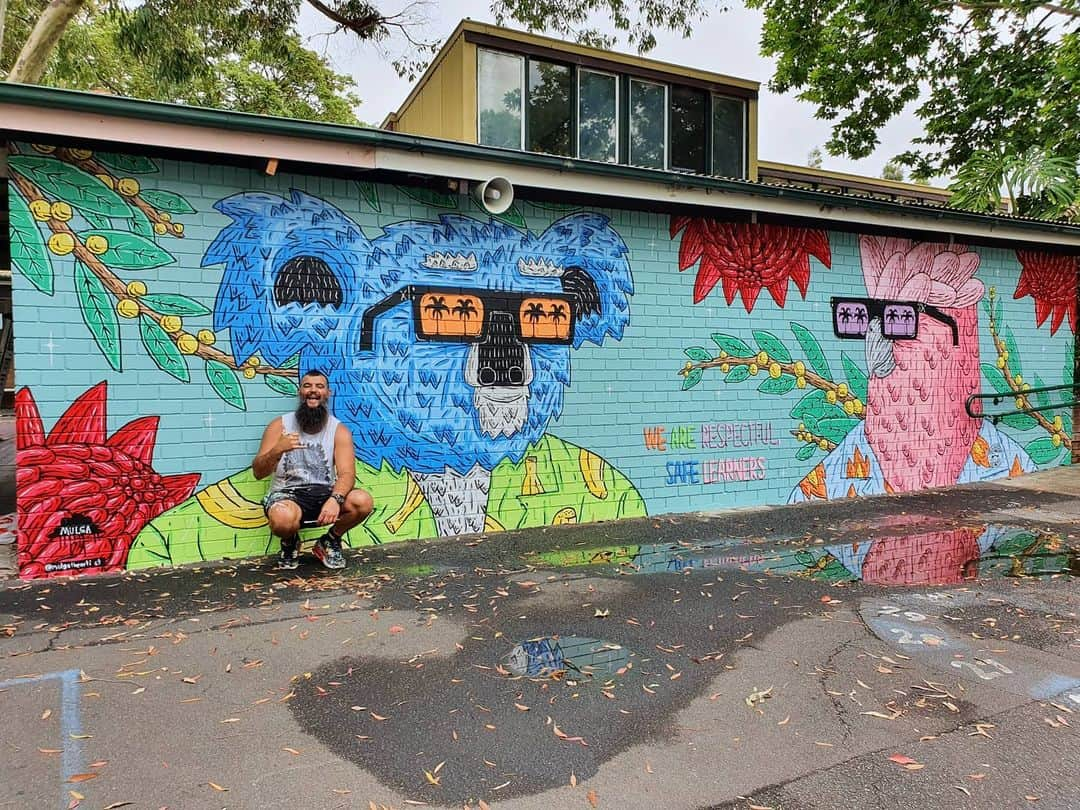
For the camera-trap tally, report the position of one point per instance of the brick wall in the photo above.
(163, 308)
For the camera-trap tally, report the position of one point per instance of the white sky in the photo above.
(726, 42)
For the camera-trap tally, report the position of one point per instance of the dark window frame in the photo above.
(624, 80)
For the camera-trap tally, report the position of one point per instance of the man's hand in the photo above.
(287, 442)
(330, 512)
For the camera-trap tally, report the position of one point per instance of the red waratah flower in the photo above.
(83, 496)
(748, 257)
(1051, 280)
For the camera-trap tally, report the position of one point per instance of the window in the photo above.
(498, 101)
(598, 116)
(648, 124)
(576, 111)
(729, 124)
(689, 116)
(550, 108)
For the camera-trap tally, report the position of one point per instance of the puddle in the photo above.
(946, 555)
(570, 657)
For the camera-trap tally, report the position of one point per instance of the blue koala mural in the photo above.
(447, 345)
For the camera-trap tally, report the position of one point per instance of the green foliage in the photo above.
(98, 312)
(72, 185)
(28, 252)
(168, 304)
(162, 349)
(225, 384)
(732, 345)
(244, 55)
(810, 346)
(780, 385)
(283, 385)
(698, 354)
(982, 76)
(856, 377)
(1042, 451)
(771, 343)
(692, 379)
(167, 201)
(130, 251)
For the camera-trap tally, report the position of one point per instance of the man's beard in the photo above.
(312, 420)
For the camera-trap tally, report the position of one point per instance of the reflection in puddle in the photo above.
(567, 656)
(941, 557)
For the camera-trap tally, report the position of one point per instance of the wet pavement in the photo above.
(907, 651)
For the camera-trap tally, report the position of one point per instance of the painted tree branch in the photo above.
(119, 289)
(34, 57)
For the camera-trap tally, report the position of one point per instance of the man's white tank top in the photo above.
(311, 464)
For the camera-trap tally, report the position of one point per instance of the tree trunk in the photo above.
(34, 56)
(3, 16)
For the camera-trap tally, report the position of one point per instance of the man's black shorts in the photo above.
(311, 499)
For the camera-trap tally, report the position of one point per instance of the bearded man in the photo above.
(311, 457)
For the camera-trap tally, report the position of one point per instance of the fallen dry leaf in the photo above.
(906, 762)
(217, 787)
(82, 777)
(591, 796)
(292, 751)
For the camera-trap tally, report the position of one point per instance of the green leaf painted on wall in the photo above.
(292, 362)
(283, 385)
(856, 377)
(226, 384)
(771, 344)
(130, 251)
(129, 164)
(369, 193)
(511, 216)
(699, 354)
(1067, 423)
(65, 182)
(99, 313)
(995, 378)
(692, 379)
(732, 345)
(1043, 397)
(836, 428)
(28, 252)
(812, 349)
(813, 407)
(162, 349)
(806, 451)
(167, 201)
(435, 199)
(737, 374)
(96, 220)
(168, 304)
(140, 224)
(997, 312)
(781, 385)
(1014, 355)
(1042, 451)
(1019, 421)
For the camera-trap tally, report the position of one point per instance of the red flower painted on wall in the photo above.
(1051, 280)
(83, 496)
(748, 258)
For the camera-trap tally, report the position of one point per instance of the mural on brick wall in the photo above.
(446, 342)
(895, 419)
(187, 298)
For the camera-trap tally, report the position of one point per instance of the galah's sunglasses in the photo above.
(465, 316)
(899, 319)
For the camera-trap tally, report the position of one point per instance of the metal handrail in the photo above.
(998, 397)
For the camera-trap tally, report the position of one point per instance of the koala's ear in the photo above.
(595, 270)
(287, 278)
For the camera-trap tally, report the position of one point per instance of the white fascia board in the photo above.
(847, 216)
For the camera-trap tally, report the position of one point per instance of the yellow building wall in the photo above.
(444, 106)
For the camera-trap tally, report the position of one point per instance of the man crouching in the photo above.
(311, 457)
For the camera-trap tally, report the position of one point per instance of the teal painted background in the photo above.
(617, 390)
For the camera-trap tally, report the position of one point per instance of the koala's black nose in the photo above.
(501, 353)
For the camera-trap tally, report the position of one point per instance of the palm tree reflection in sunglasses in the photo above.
(898, 320)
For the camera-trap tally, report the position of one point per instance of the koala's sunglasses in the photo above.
(899, 320)
(467, 315)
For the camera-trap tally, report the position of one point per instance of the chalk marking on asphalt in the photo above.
(70, 722)
(1007, 669)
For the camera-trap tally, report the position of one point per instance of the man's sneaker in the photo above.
(327, 550)
(289, 558)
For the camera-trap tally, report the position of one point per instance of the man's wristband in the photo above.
(338, 499)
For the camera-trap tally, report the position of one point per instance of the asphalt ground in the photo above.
(676, 661)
